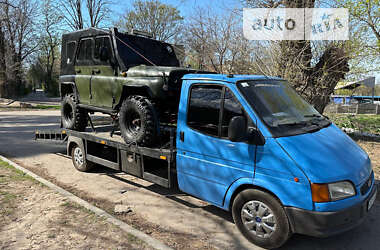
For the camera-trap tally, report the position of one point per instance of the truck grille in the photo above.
(366, 186)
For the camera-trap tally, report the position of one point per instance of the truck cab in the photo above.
(251, 145)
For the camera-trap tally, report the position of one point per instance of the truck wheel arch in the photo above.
(72, 141)
(129, 90)
(241, 185)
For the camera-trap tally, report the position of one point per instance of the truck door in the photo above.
(83, 69)
(103, 76)
(207, 162)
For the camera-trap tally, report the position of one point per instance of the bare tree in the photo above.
(18, 29)
(98, 11)
(72, 10)
(49, 42)
(163, 21)
(313, 68)
(90, 14)
(3, 66)
(215, 43)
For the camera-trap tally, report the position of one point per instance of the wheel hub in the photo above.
(258, 219)
(78, 156)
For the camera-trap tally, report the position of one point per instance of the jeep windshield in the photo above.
(283, 111)
(159, 53)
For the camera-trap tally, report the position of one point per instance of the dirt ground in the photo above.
(33, 216)
(373, 150)
(179, 220)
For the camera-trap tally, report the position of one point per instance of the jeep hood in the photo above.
(328, 155)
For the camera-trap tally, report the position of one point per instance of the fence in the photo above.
(363, 108)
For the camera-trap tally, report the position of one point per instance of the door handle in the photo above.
(182, 136)
(95, 71)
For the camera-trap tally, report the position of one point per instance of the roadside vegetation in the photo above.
(361, 123)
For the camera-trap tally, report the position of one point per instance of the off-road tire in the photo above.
(282, 230)
(138, 121)
(78, 157)
(72, 116)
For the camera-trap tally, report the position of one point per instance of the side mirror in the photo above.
(255, 137)
(237, 129)
(237, 132)
(103, 54)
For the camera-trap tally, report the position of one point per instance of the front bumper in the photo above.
(324, 224)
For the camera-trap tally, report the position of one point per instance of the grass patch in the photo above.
(39, 106)
(361, 123)
(16, 174)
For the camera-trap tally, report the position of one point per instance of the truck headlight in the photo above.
(332, 191)
(341, 190)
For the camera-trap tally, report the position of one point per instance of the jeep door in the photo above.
(83, 69)
(104, 84)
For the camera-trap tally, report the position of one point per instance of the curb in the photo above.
(156, 244)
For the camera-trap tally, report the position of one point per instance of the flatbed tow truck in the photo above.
(249, 145)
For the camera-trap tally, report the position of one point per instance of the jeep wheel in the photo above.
(72, 116)
(138, 121)
(261, 218)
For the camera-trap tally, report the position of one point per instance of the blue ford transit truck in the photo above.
(250, 145)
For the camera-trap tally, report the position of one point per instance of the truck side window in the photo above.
(204, 108)
(70, 47)
(231, 108)
(85, 50)
(101, 42)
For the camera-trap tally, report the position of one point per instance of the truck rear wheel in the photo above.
(261, 218)
(79, 159)
(72, 116)
(138, 121)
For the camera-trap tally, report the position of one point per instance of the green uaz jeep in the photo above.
(131, 77)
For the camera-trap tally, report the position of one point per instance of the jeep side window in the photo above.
(204, 108)
(70, 47)
(101, 42)
(85, 50)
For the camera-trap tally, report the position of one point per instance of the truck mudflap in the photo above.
(325, 224)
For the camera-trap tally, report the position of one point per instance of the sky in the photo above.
(186, 7)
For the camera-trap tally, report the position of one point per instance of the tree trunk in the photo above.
(316, 83)
(3, 75)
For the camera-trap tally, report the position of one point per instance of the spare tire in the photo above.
(139, 121)
(72, 116)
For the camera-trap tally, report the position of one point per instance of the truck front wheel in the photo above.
(138, 121)
(72, 116)
(261, 218)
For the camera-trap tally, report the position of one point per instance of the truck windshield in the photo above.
(281, 108)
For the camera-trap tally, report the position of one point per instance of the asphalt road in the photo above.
(175, 218)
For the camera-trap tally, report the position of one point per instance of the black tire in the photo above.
(72, 116)
(256, 224)
(138, 121)
(78, 157)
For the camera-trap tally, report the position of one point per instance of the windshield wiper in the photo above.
(294, 123)
(312, 115)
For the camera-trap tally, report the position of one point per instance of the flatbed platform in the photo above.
(155, 164)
